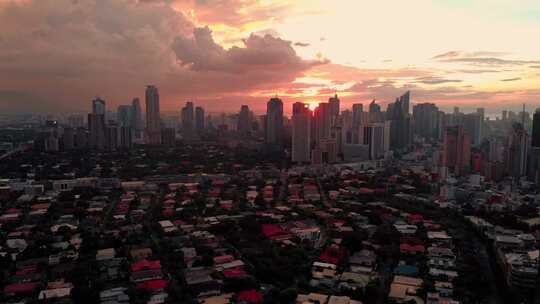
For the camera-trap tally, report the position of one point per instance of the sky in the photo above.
(56, 55)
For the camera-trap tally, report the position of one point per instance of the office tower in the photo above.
(357, 114)
(301, 129)
(517, 150)
(136, 118)
(81, 138)
(373, 107)
(322, 122)
(123, 115)
(98, 106)
(534, 157)
(68, 138)
(457, 150)
(111, 137)
(375, 114)
(472, 123)
(187, 116)
(153, 118)
(405, 102)
(535, 136)
(425, 120)
(199, 119)
(504, 115)
(169, 137)
(376, 136)
(456, 110)
(400, 126)
(333, 104)
(274, 122)
(76, 121)
(125, 137)
(244, 125)
(96, 124)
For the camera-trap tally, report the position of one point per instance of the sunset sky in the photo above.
(56, 55)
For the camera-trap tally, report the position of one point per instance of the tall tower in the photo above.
(153, 118)
(243, 121)
(199, 119)
(301, 127)
(274, 122)
(136, 118)
(96, 124)
(98, 106)
(457, 149)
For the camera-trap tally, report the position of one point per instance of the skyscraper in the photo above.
(96, 125)
(153, 118)
(457, 150)
(97, 129)
(136, 118)
(322, 122)
(535, 143)
(199, 119)
(301, 129)
(376, 136)
(400, 127)
(425, 120)
(244, 124)
(516, 156)
(333, 104)
(534, 158)
(123, 116)
(98, 106)
(274, 122)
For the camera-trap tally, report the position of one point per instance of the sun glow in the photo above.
(312, 105)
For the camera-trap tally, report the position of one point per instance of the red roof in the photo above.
(410, 248)
(26, 270)
(20, 288)
(251, 296)
(365, 191)
(145, 264)
(230, 273)
(153, 285)
(270, 230)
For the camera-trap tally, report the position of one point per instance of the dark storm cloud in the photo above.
(65, 52)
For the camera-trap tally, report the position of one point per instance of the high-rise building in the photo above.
(68, 138)
(517, 150)
(98, 106)
(375, 114)
(322, 118)
(457, 150)
(97, 129)
(376, 136)
(123, 115)
(125, 137)
(169, 137)
(153, 117)
(274, 122)
(534, 157)
(136, 119)
(188, 116)
(334, 104)
(535, 138)
(400, 126)
(244, 124)
(473, 123)
(199, 119)
(426, 120)
(357, 115)
(301, 129)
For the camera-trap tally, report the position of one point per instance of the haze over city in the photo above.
(56, 55)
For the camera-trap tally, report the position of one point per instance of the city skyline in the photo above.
(224, 54)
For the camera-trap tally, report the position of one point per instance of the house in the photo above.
(403, 289)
